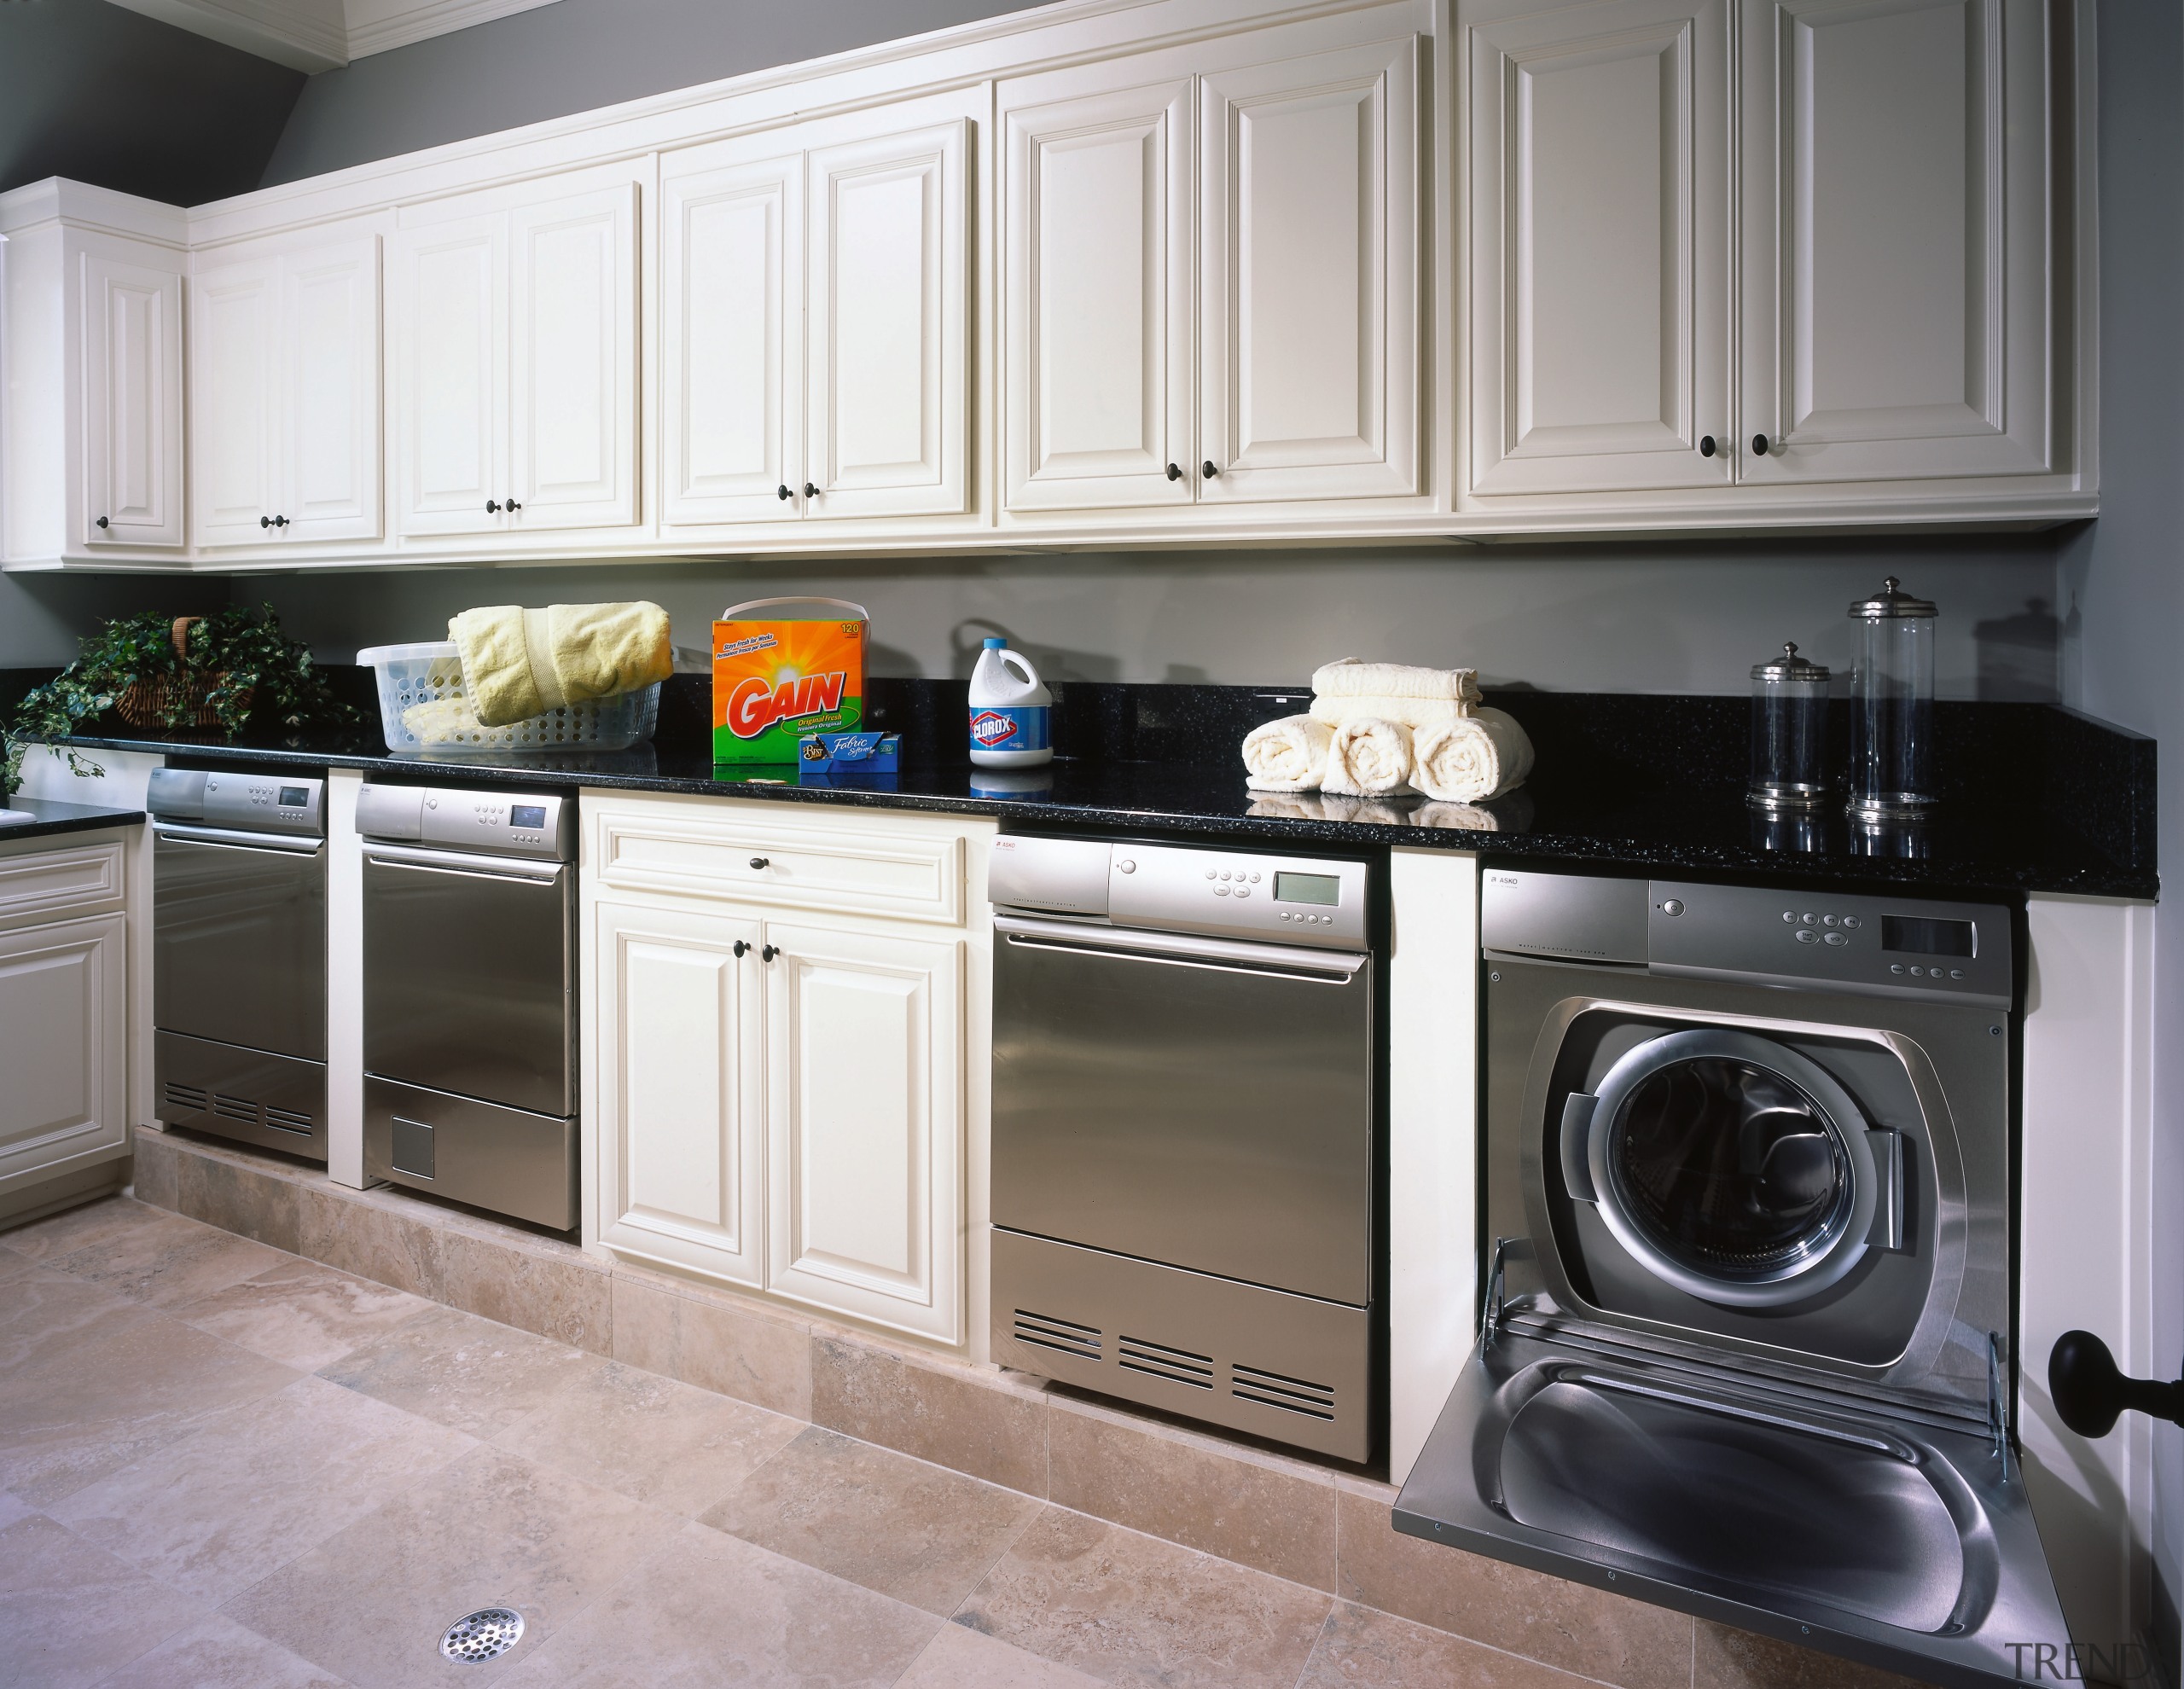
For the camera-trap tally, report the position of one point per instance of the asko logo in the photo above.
(990, 728)
(757, 703)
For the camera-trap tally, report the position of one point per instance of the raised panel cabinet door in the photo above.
(1599, 249)
(732, 343)
(330, 377)
(865, 1108)
(1894, 240)
(448, 283)
(1098, 348)
(234, 402)
(681, 1127)
(574, 289)
(888, 352)
(132, 404)
(62, 1044)
(1309, 343)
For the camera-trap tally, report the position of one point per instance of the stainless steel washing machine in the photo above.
(1747, 1347)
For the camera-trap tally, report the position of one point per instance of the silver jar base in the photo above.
(1785, 799)
(1892, 807)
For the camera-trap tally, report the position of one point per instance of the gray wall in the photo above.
(2122, 585)
(108, 96)
(573, 56)
(1614, 617)
(42, 616)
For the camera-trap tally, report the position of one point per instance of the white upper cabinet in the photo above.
(1599, 249)
(514, 323)
(1309, 348)
(1211, 288)
(132, 492)
(284, 400)
(815, 324)
(1896, 239)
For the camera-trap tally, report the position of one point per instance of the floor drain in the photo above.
(486, 1634)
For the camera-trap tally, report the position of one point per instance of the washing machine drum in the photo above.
(1728, 1165)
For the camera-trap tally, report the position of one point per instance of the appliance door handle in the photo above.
(1577, 1144)
(1237, 955)
(1887, 1229)
(233, 839)
(468, 867)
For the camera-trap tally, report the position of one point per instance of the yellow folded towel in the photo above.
(1467, 761)
(1414, 713)
(1288, 755)
(518, 663)
(1368, 758)
(1352, 677)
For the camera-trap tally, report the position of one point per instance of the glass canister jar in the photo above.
(1892, 707)
(1789, 732)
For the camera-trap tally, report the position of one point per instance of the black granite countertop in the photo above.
(2040, 800)
(49, 817)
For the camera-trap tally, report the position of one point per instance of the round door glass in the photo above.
(1729, 1168)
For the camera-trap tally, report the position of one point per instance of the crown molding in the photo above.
(321, 35)
(377, 25)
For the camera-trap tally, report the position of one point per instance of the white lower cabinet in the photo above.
(779, 1095)
(63, 1047)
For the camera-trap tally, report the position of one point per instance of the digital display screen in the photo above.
(1924, 935)
(526, 815)
(294, 797)
(1307, 888)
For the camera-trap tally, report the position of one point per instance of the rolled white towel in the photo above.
(1481, 756)
(1370, 757)
(1353, 677)
(1289, 755)
(1413, 713)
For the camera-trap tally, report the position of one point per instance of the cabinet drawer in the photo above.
(80, 879)
(902, 871)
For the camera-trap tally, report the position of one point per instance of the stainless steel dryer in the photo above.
(1747, 1348)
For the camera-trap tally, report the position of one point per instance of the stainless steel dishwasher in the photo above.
(239, 956)
(469, 997)
(1183, 1132)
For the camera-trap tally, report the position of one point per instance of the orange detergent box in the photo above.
(780, 676)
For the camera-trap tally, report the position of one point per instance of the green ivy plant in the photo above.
(256, 673)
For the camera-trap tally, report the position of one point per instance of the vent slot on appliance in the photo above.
(187, 1096)
(287, 1120)
(1274, 1390)
(1065, 1335)
(1178, 1366)
(234, 1108)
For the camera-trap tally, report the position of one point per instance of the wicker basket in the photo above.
(144, 702)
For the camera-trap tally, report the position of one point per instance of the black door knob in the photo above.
(1706, 447)
(265, 521)
(280, 521)
(1759, 445)
(769, 953)
(782, 491)
(2091, 1392)
(514, 507)
(742, 949)
(811, 492)
(102, 521)
(1175, 471)
(760, 862)
(492, 507)
(1208, 469)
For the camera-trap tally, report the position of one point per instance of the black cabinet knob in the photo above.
(742, 949)
(514, 507)
(769, 953)
(1759, 445)
(782, 491)
(2091, 1392)
(102, 521)
(492, 507)
(1706, 447)
(811, 492)
(280, 521)
(1175, 471)
(1208, 469)
(760, 862)
(265, 521)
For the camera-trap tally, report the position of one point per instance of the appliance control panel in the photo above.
(239, 802)
(489, 823)
(1231, 894)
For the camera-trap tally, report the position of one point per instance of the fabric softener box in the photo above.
(779, 679)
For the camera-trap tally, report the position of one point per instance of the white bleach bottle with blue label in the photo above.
(1010, 711)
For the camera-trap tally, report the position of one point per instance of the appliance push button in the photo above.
(1805, 937)
(1834, 938)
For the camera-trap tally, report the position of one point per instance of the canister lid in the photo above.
(1891, 600)
(1789, 666)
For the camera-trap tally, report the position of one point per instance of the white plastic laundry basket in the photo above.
(429, 673)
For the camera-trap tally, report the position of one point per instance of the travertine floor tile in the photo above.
(916, 1532)
(167, 1260)
(218, 1653)
(1361, 1649)
(969, 1423)
(710, 1611)
(211, 1514)
(13, 1508)
(671, 1444)
(71, 1613)
(463, 1371)
(962, 1658)
(1132, 1609)
(301, 1313)
(1737, 1659)
(371, 1601)
(74, 1228)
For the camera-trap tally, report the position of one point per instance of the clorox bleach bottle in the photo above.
(1009, 710)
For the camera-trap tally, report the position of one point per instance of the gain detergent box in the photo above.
(780, 678)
